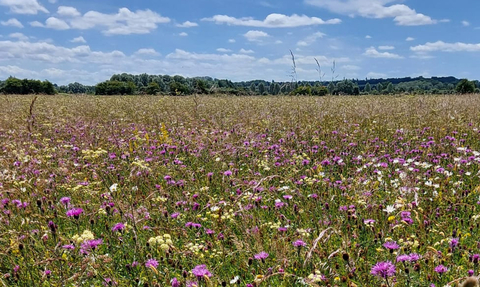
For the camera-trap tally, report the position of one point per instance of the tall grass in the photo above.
(258, 191)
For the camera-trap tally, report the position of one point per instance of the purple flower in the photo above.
(475, 258)
(391, 245)
(175, 215)
(175, 282)
(68, 247)
(47, 272)
(471, 272)
(261, 256)
(151, 263)
(89, 245)
(453, 243)
(414, 257)
(403, 258)
(65, 200)
(118, 227)
(440, 269)
(74, 212)
(383, 269)
(299, 243)
(227, 173)
(200, 271)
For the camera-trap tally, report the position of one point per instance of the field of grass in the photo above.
(256, 191)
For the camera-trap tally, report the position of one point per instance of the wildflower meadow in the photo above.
(239, 191)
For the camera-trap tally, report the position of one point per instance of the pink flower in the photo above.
(151, 263)
(200, 271)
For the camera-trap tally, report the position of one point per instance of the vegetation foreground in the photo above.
(258, 191)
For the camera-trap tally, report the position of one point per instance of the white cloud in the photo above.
(68, 11)
(243, 51)
(187, 24)
(23, 6)
(223, 50)
(52, 23)
(51, 54)
(368, 37)
(465, 23)
(147, 52)
(373, 53)
(310, 39)
(52, 1)
(374, 75)
(378, 9)
(350, 67)
(57, 24)
(79, 39)
(231, 41)
(409, 39)
(272, 21)
(254, 35)
(183, 34)
(12, 22)
(386, 47)
(18, 36)
(124, 22)
(446, 47)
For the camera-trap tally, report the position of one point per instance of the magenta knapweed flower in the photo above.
(383, 269)
(261, 256)
(403, 258)
(453, 242)
(299, 243)
(392, 245)
(65, 200)
(118, 227)
(74, 212)
(414, 257)
(200, 271)
(175, 282)
(440, 269)
(227, 173)
(68, 247)
(89, 245)
(151, 263)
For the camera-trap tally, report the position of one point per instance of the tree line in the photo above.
(128, 84)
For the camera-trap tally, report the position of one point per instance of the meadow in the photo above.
(239, 191)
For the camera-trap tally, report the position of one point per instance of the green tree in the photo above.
(368, 88)
(390, 88)
(276, 89)
(153, 88)
(253, 88)
(331, 88)
(379, 87)
(261, 88)
(465, 87)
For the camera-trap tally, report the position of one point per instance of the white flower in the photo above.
(235, 279)
(389, 209)
(114, 187)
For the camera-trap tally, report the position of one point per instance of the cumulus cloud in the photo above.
(223, 50)
(255, 35)
(373, 53)
(12, 22)
(79, 39)
(124, 22)
(272, 21)
(183, 34)
(310, 39)
(409, 39)
(147, 52)
(52, 23)
(378, 9)
(18, 36)
(441, 46)
(23, 6)
(243, 51)
(68, 11)
(187, 24)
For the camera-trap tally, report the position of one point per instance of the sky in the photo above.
(88, 41)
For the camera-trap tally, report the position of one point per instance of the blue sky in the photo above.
(88, 41)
